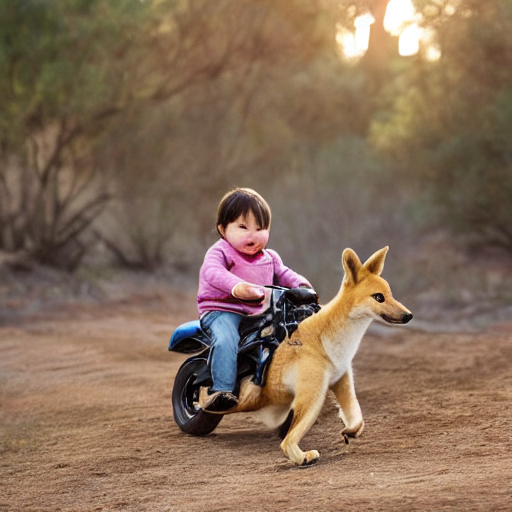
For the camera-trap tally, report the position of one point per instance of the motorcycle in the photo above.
(260, 335)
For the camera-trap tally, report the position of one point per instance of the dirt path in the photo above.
(86, 425)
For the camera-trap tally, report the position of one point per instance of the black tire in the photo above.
(185, 394)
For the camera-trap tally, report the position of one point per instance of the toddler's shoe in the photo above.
(220, 401)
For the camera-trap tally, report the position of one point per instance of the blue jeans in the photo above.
(222, 327)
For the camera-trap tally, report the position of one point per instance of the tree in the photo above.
(451, 123)
(65, 75)
(117, 113)
(278, 86)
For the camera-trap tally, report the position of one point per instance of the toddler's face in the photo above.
(245, 235)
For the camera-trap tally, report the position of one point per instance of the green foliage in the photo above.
(450, 128)
(240, 84)
(61, 58)
(338, 196)
(279, 87)
(64, 67)
(127, 120)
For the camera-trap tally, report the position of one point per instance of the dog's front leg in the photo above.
(350, 411)
(309, 398)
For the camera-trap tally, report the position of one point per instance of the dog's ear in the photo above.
(351, 265)
(375, 263)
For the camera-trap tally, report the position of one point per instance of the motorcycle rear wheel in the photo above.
(189, 417)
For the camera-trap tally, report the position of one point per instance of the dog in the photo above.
(318, 358)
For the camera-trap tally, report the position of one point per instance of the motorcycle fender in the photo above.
(189, 338)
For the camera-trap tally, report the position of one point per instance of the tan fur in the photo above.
(318, 357)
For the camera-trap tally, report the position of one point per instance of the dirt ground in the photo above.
(86, 424)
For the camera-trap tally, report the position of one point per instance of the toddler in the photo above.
(231, 281)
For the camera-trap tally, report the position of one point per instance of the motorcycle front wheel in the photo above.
(185, 401)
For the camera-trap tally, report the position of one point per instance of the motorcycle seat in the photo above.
(300, 296)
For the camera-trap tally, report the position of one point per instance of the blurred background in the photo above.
(363, 123)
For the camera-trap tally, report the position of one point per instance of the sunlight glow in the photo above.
(398, 14)
(432, 53)
(347, 43)
(401, 20)
(409, 41)
(362, 36)
(429, 44)
(354, 44)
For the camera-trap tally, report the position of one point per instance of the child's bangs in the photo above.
(261, 214)
(239, 203)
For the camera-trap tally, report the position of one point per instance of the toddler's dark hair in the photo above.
(241, 201)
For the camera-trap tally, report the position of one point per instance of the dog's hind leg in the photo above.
(350, 411)
(306, 407)
(285, 427)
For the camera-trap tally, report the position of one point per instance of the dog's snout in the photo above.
(407, 318)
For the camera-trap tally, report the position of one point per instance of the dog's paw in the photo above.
(310, 457)
(352, 431)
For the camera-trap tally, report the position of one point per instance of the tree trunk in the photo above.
(381, 47)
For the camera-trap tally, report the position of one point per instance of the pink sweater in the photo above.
(224, 267)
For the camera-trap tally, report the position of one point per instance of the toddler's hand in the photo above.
(246, 291)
